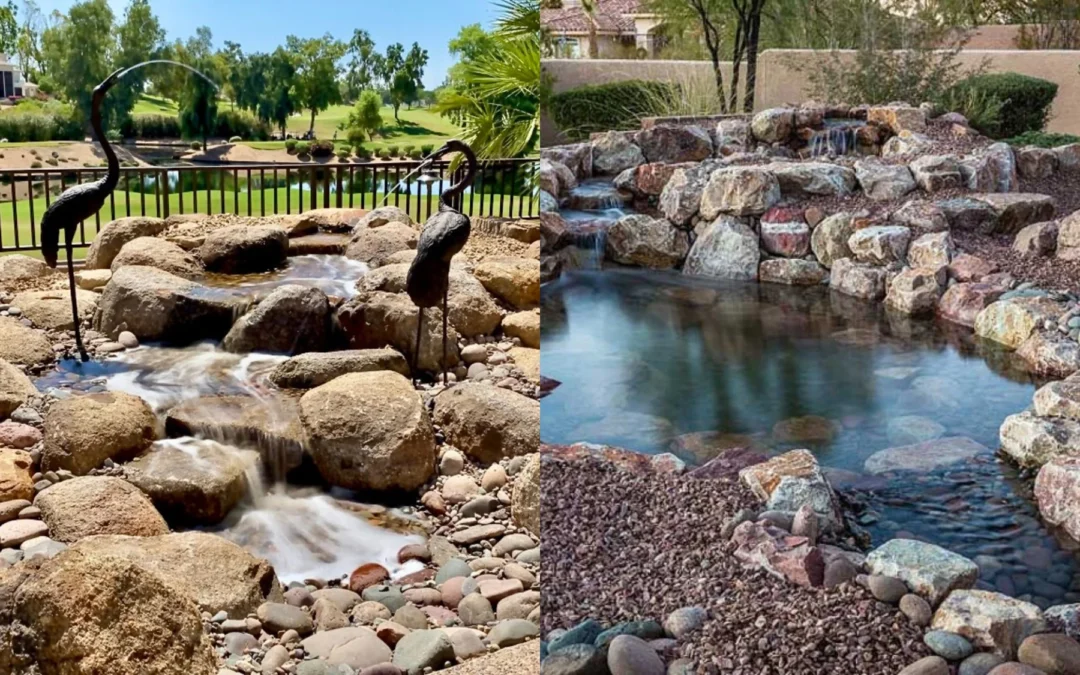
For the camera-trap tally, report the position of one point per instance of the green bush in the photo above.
(322, 148)
(427, 148)
(303, 148)
(606, 107)
(195, 145)
(358, 149)
(54, 125)
(407, 150)
(151, 126)
(52, 161)
(384, 154)
(343, 154)
(240, 123)
(393, 150)
(363, 153)
(113, 136)
(1042, 139)
(981, 108)
(415, 154)
(1025, 101)
(35, 165)
(290, 145)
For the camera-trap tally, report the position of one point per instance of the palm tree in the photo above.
(589, 7)
(497, 100)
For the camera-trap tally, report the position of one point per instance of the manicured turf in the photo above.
(260, 199)
(157, 105)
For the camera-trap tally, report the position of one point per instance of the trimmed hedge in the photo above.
(1025, 100)
(605, 107)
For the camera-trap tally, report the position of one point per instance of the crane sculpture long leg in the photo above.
(445, 300)
(74, 303)
(416, 351)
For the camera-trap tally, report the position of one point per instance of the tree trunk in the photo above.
(737, 51)
(751, 55)
(311, 129)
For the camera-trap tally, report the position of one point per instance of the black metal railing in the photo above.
(500, 189)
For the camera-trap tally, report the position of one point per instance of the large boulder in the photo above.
(992, 170)
(884, 181)
(791, 558)
(1057, 489)
(897, 118)
(242, 249)
(927, 569)
(113, 235)
(193, 481)
(962, 302)
(81, 432)
(1033, 441)
(1035, 162)
(680, 199)
(727, 249)
(22, 345)
(925, 457)
(1010, 322)
(16, 475)
(378, 319)
(525, 501)
(88, 613)
(972, 215)
(306, 371)
(880, 244)
(674, 143)
(488, 423)
(829, 240)
(1068, 238)
(805, 179)
(649, 180)
(51, 310)
(555, 178)
(357, 647)
(155, 252)
(773, 125)
(472, 310)
(906, 143)
(213, 572)
(1050, 353)
(739, 191)
(1015, 210)
(515, 281)
(931, 251)
(578, 157)
(269, 423)
(857, 279)
(89, 505)
(644, 241)
(15, 388)
(382, 216)
(789, 481)
(793, 272)
(789, 240)
(369, 431)
(524, 326)
(989, 620)
(156, 305)
(922, 217)
(291, 320)
(913, 292)
(934, 173)
(374, 246)
(327, 220)
(1059, 399)
(613, 153)
(18, 267)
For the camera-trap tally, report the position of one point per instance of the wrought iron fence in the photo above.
(500, 189)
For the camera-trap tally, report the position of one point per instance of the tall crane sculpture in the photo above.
(442, 237)
(84, 200)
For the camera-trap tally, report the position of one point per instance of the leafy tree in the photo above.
(402, 90)
(232, 59)
(198, 103)
(140, 37)
(78, 52)
(315, 84)
(364, 64)
(366, 117)
(415, 63)
(28, 41)
(9, 27)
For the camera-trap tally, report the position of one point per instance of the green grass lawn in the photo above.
(418, 127)
(261, 200)
(156, 105)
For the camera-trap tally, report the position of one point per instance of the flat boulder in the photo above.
(382, 216)
(23, 345)
(159, 253)
(880, 244)
(16, 475)
(15, 388)
(329, 220)
(921, 217)
(307, 371)
(774, 125)
(829, 240)
(1050, 353)
(789, 481)
(369, 431)
(1015, 210)
(926, 456)
(89, 505)
(989, 620)
(1033, 441)
(644, 241)
(81, 432)
(860, 280)
(897, 118)
(934, 173)
(488, 423)
(51, 310)
(962, 302)
(18, 267)
(357, 647)
(674, 143)
(375, 245)
(807, 179)
(884, 182)
(914, 292)
(928, 570)
(613, 153)
(515, 281)
(269, 423)
(1059, 399)
(1057, 491)
(739, 191)
(86, 612)
(113, 235)
(292, 319)
(373, 320)
(727, 249)
(192, 481)
(472, 310)
(213, 572)
(793, 272)
(578, 157)
(525, 500)
(156, 305)
(1010, 322)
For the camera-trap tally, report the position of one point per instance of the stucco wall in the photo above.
(782, 77)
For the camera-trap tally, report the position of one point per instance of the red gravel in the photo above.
(621, 545)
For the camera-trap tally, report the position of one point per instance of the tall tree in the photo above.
(28, 41)
(139, 38)
(231, 58)
(78, 52)
(363, 64)
(415, 62)
(317, 72)
(198, 98)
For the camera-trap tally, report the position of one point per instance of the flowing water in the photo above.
(657, 362)
(838, 137)
(332, 274)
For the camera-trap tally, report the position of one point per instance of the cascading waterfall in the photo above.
(836, 139)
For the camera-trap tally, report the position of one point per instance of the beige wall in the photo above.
(782, 77)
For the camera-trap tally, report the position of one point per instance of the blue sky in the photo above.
(261, 25)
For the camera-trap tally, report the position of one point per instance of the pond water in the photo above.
(656, 362)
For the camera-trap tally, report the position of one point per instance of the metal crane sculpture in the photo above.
(442, 237)
(84, 200)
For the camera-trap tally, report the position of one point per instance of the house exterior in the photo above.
(623, 29)
(12, 81)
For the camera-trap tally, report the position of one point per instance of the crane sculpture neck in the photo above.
(450, 196)
(112, 177)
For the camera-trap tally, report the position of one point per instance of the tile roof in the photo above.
(610, 16)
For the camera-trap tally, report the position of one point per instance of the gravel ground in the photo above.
(643, 545)
(521, 659)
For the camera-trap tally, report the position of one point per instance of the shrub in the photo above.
(234, 139)
(363, 153)
(151, 126)
(343, 155)
(427, 148)
(240, 123)
(35, 165)
(303, 148)
(605, 107)
(1025, 100)
(415, 154)
(393, 150)
(52, 161)
(384, 154)
(358, 149)
(195, 145)
(981, 108)
(1043, 139)
(290, 145)
(113, 136)
(365, 118)
(407, 151)
(51, 123)
(322, 148)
